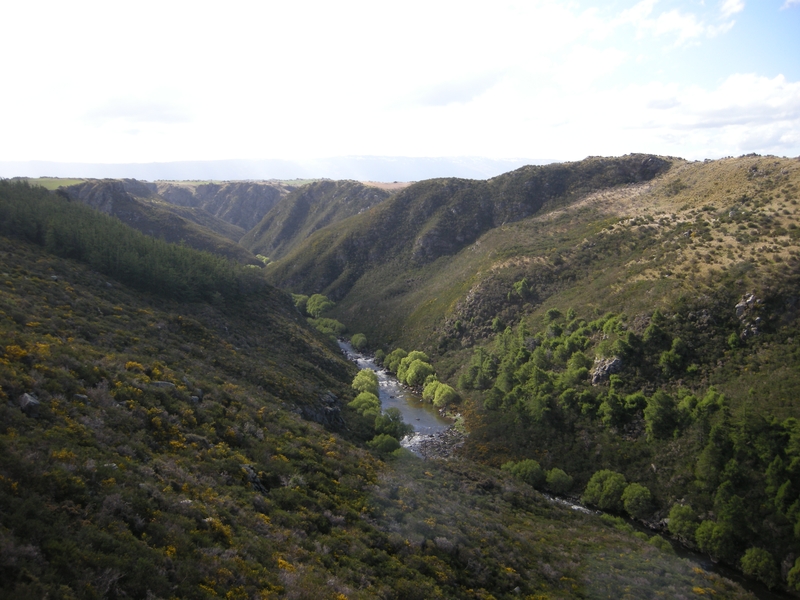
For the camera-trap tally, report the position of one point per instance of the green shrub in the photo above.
(366, 381)
(605, 489)
(359, 341)
(760, 564)
(682, 522)
(637, 500)
(384, 443)
(558, 481)
(527, 470)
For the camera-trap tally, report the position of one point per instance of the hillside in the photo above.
(307, 209)
(156, 447)
(401, 238)
(240, 203)
(136, 204)
(642, 324)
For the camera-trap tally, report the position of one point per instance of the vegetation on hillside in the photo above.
(646, 330)
(307, 209)
(154, 447)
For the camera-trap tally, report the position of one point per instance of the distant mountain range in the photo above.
(363, 168)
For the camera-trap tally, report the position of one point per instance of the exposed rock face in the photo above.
(327, 412)
(241, 203)
(29, 404)
(604, 368)
(747, 312)
(252, 477)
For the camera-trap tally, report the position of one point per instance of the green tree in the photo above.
(444, 395)
(683, 522)
(366, 381)
(391, 423)
(405, 363)
(366, 404)
(359, 341)
(717, 539)
(558, 481)
(605, 489)
(384, 443)
(393, 359)
(637, 500)
(429, 391)
(418, 371)
(760, 564)
(300, 301)
(661, 415)
(318, 304)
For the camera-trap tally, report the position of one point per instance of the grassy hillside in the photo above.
(648, 328)
(153, 447)
(439, 217)
(136, 204)
(240, 203)
(306, 210)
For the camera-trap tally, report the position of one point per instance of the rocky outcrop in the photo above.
(29, 404)
(747, 311)
(604, 368)
(241, 203)
(326, 412)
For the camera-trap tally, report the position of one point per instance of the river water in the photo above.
(428, 422)
(425, 419)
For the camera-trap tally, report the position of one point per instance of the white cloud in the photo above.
(790, 3)
(685, 27)
(731, 7)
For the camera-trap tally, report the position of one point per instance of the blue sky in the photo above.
(167, 81)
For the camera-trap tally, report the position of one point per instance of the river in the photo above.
(428, 423)
(421, 415)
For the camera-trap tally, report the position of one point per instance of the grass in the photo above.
(52, 183)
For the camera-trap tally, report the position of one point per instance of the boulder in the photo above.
(164, 385)
(29, 404)
(605, 367)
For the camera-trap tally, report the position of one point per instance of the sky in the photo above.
(117, 82)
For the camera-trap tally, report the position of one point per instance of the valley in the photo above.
(622, 330)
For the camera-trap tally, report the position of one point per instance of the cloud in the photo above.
(790, 3)
(685, 27)
(138, 111)
(456, 92)
(731, 7)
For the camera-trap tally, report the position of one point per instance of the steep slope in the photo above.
(437, 218)
(155, 448)
(135, 203)
(306, 210)
(646, 329)
(240, 203)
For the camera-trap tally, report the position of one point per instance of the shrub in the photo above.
(637, 500)
(527, 470)
(384, 443)
(359, 341)
(605, 490)
(558, 481)
(366, 381)
(418, 371)
(682, 522)
(444, 395)
(393, 359)
(318, 304)
(759, 563)
(366, 404)
(391, 423)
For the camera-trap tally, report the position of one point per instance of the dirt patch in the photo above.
(392, 187)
